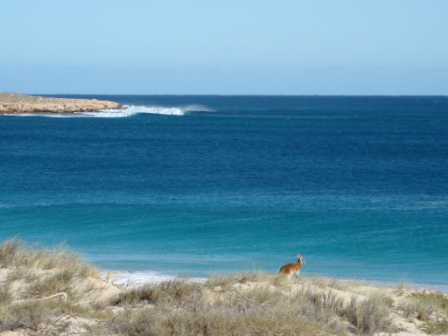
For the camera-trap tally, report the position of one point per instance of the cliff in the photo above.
(12, 103)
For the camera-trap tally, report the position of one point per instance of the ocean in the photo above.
(200, 185)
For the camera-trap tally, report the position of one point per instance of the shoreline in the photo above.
(16, 104)
(141, 277)
(53, 291)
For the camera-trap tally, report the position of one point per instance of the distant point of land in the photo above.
(13, 103)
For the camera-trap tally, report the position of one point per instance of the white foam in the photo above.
(48, 115)
(133, 110)
(126, 111)
(139, 278)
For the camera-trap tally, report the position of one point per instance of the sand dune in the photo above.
(55, 292)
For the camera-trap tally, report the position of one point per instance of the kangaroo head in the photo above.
(300, 259)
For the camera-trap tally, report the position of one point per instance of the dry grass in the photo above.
(431, 301)
(5, 294)
(253, 303)
(245, 304)
(202, 319)
(173, 291)
(226, 281)
(369, 316)
(50, 284)
(15, 254)
(30, 274)
(257, 311)
(38, 315)
(429, 307)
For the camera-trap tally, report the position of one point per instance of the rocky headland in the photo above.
(13, 103)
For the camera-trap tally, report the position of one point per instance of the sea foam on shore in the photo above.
(123, 112)
(53, 291)
(140, 278)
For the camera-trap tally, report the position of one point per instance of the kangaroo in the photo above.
(293, 268)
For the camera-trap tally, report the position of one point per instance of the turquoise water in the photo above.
(196, 185)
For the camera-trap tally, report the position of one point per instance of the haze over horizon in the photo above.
(210, 47)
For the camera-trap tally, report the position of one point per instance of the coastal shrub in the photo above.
(245, 309)
(38, 315)
(8, 251)
(238, 304)
(368, 316)
(407, 309)
(61, 308)
(171, 291)
(59, 258)
(251, 298)
(432, 301)
(249, 308)
(200, 318)
(5, 294)
(439, 326)
(51, 284)
(401, 289)
(318, 307)
(30, 315)
(178, 289)
(256, 276)
(222, 281)
(149, 293)
(323, 300)
(422, 305)
(428, 307)
(326, 307)
(18, 273)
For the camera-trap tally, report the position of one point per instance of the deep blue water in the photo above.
(195, 185)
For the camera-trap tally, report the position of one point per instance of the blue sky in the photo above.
(224, 47)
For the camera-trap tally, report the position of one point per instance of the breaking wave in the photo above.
(138, 279)
(126, 111)
(131, 110)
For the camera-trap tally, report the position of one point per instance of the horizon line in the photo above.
(237, 95)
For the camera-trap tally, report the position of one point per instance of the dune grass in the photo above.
(429, 307)
(14, 253)
(254, 303)
(223, 305)
(43, 316)
(32, 275)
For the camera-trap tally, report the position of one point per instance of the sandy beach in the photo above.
(55, 292)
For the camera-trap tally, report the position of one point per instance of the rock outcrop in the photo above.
(12, 103)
